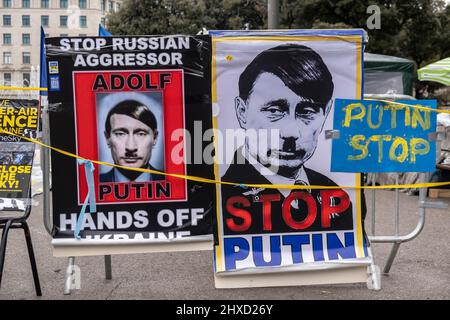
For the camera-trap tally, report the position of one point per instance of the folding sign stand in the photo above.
(424, 203)
(396, 239)
(19, 222)
(16, 203)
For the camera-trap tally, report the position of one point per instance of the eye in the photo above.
(119, 133)
(274, 110)
(142, 134)
(307, 112)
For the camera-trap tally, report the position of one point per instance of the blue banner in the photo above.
(43, 65)
(378, 136)
(102, 32)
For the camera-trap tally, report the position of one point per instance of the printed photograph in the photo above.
(130, 134)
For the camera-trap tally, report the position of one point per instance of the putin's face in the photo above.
(131, 141)
(299, 121)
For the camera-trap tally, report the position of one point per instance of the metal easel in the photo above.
(374, 281)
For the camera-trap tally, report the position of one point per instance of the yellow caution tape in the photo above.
(247, 185)
(23, 88)
(416, 106)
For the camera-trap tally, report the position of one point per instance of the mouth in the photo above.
(287, 155)
(131, 159)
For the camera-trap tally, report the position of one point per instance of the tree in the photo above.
(185, 16)
(414, 29)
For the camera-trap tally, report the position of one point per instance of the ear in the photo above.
(107, 136)
(155, 137)
(327, 111)
(241, 111)
(328, 108)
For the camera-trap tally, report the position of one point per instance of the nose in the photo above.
(290, 130)
(130, 144)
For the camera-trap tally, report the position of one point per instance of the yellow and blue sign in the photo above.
(383, 136)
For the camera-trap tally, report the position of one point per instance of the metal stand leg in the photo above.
(37, 284)
(373, 204)
(45, 165)
(374, 279)
(108, 267)
(391, 257)
(69, 276)
(3, 248)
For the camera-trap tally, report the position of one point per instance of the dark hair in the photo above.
(133, 109)
(300, 68)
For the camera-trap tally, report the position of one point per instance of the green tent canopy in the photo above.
(438, 71)
(383, 74)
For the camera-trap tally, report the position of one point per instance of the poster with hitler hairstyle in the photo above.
(274, 93)
(132, 104)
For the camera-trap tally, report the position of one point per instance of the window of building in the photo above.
(103, 22)
(6, 20)
(7, 58)
(44, 3)
(44, 21)
(103, 5)
(25, 21)
(26, 58)
(110, 6)
(63, 21)
(7, 38)
(25, 3)
(83, 22)
(25, 38)
(26, 79)
(7, 3)
(82, 4)
(63, 4)
(117, 6)
(7, 79)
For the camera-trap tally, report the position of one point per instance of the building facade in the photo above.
(20, 22)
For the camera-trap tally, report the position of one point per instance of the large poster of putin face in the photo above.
(274, 97)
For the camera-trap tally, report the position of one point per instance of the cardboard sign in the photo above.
(133, 102)
(20, 117)
(274, 93)
(377, 136)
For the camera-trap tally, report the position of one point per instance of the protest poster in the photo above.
(383, 136)
(134, 102)
(273, 95)
(20, 117)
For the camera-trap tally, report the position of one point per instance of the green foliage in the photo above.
(414, 29)
(185, 16)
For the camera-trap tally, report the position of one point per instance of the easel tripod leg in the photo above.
(391, 257)
(69, 276)
(34, 270)
(108, 267)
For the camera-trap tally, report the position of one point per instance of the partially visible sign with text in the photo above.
(378, 136)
